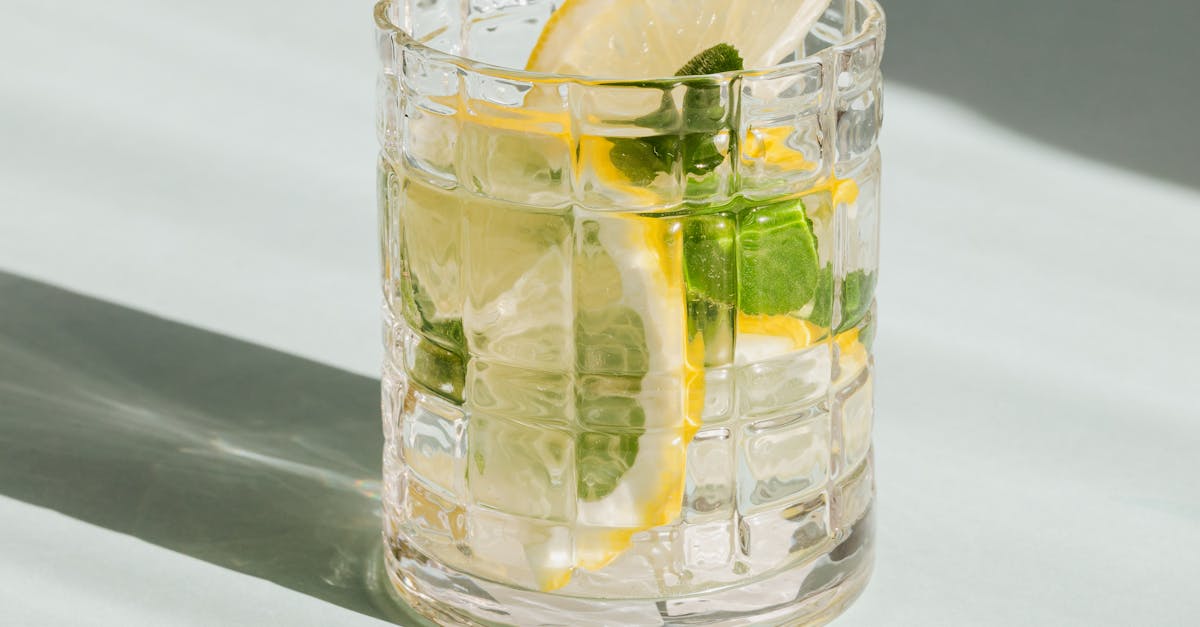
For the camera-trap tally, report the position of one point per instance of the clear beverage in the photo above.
(629, 377)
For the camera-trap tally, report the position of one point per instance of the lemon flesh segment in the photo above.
(640, 270)
(764, 337)
(654, 38)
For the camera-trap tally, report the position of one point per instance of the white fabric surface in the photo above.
(1036, 437)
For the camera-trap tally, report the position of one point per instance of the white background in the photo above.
(213, 163)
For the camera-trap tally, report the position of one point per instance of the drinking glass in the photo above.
(628, 375)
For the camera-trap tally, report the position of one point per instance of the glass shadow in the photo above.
(242, 456)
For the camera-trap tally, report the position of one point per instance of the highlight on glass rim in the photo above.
(629, 258)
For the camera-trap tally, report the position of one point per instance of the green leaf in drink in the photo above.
(778, 265)
(692, 135)
(858, 291)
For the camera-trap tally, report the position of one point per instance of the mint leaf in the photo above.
(710, 277)
(417, 308)
(610, 407)
(689, 137)
(641, 159)
(437, 360)
(778, 265)
(763, 260)
(613, 351)
(720, 58)
(708, 256)
(858, 291)
(822, 311)
(437, 369)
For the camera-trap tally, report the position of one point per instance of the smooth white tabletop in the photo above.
(1037, 438)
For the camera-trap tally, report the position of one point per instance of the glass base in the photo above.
(811, 593)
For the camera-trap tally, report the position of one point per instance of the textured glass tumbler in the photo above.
(628, 376)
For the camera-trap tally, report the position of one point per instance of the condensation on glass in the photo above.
(560, 448)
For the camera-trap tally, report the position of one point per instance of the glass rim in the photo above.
(872, 28)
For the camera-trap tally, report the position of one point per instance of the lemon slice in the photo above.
(652, 38)
(637, 390)
(644, 262)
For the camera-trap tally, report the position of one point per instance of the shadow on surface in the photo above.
(235, 454)
(1112, 80)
